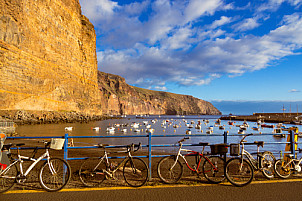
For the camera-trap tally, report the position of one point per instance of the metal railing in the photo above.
(149, 144)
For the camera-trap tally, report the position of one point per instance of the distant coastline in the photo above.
(250, 107)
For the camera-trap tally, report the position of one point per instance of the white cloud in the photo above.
(168, 46)
(247, 24)
(197, 8)
(222, 21)
(98, 9)
(294, 91)
(273, 5)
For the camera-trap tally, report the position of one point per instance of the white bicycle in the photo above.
(54, 174)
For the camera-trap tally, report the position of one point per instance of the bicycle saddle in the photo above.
(259, 143)
(103, 145)
(203, 143)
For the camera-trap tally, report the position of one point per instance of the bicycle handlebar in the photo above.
(132, 147)
(183, 139)
(242, 140)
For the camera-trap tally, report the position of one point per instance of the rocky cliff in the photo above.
(48, 63)
(120, 98)
(47, 56)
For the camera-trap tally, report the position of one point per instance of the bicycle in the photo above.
(239, 171)
(170, 169)
(54, 174)
(285, 167)
(95, 170)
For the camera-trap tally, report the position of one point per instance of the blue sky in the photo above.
(211, 49)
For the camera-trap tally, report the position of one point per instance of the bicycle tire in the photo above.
(239, 172)
(8, 180)
(165, 173)
(280, 170)
(54, 174)
(135, 172)
(91, 172)
(213, 169)
(267, 162)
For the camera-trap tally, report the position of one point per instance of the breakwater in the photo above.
(290, 118)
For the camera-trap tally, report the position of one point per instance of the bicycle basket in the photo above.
(219, 149)
(234, 149)
(57, 143)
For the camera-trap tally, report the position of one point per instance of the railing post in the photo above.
(150, 154)
(225, 141)
(292, 142)
(66, 146)
(225, 137)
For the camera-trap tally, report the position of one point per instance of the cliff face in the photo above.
(48, 63)
(120, 98)
(47, 56)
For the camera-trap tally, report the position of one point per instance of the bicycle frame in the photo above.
(192, 153)
(293, 163)
(21, 159)
(105, 157)
(250, 158)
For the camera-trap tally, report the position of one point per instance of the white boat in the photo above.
(240, 131)
(209, 131)
(256, 128)
(211, 128)
(96, 128)
(145, 122)
(197, 126)
(135, 125)
(124, 130)
(148, 126)
(150, 130)
(188, 132)
(137, 130)
(69, 128)
(110, 129)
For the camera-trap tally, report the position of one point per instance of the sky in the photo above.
(215, 50)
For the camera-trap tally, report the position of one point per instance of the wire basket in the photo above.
(234, 149)
(219, 149)
(57, 143)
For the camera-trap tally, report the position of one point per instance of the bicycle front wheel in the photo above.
(239, 172)
(213, 169)
(92, 172)
(8, 178)
(54, 174)
(282, 169)
(165, 171)
(267, 162)
(135, 172)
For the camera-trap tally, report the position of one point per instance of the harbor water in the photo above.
(161, 125)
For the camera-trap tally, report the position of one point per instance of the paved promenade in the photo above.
(258, 190)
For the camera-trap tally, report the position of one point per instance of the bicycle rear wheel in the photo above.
(135, 172)
(281, 169)
(165, 171)
(54, 174)
(92, 172)
(267, 162)
(239, 172)
(213, 169)
(8, 178)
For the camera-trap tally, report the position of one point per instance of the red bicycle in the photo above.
(170, 169)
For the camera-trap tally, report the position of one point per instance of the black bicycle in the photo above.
(95, 170)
